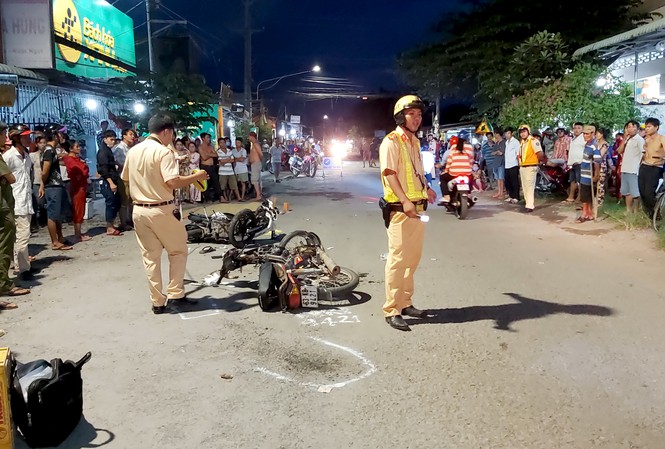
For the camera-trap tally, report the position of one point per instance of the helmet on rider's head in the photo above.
(18, 130)
(404, 103)
(452, 142)
(464, 134)
(524, 126)
(51, 129)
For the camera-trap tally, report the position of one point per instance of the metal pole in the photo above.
(635, 74)
(150, 53)
(248, 59)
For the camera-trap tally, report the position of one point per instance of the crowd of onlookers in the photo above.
(629, 164)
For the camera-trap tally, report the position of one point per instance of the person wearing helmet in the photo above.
(19, 162)
(531, 156)
(7, 231)
(459, 163)
(405, 195)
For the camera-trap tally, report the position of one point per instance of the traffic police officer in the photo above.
(531, 155)
(405, 195)
(153, 174)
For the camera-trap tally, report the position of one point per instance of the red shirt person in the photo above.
(78, 173)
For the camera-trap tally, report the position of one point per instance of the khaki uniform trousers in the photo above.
(21, 256)
(528, 177)
(157, 229)
(405, 247)
(7, 239)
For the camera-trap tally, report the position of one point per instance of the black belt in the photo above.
(165, 203)
(398, 207)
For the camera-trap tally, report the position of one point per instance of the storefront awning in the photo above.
(638, 39)
(22, 73)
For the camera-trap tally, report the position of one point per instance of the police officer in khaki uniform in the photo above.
(405, 196)
(153, 174)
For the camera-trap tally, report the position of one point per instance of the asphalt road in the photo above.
(544, 334)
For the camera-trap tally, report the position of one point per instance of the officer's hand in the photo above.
(431, 196)
(410, 209)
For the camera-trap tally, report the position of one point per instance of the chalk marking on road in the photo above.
(185, 316)
(371, 369)
(331, 317)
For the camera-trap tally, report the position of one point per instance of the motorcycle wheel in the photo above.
(345, 282)
(194, 235)
(307, 237)
(463, 208)
(241, 223)
(295, 171)
(312, 169)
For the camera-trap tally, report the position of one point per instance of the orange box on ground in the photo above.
(6, 425)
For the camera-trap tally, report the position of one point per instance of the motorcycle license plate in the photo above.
(309, 296)
(463, 187)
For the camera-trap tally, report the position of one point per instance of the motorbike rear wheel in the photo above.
(308, 238)
(239, 227)
(463, 208)
(658, 218)
(345, 282)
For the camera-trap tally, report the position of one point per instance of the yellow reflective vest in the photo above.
(528, 156)
(410, 189)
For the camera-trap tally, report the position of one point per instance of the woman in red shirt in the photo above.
(78, 173)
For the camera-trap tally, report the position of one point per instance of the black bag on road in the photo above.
(47, 400)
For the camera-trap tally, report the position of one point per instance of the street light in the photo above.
(325, 117)
(316, 68)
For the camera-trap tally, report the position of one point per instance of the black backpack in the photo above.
(54, 403)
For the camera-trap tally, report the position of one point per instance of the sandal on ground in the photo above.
(32, 258)
(17, 291)
(567, 201)
(581, 219)
(115, 233)
(4, 305)
(84, 238)
(207, 249)
(62, 247)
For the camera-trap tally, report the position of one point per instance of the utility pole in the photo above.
(150, 55)
(248, 57)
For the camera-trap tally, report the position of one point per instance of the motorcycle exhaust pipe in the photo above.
(474, 199)
(329, 263)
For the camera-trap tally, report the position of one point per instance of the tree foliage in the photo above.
(574, 97)
(498, 48)
(264, 130)
(185, 97)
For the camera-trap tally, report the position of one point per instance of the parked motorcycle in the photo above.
(461, 199)
(552, 179)
(296, 272)
(237, 229)
(306, 165)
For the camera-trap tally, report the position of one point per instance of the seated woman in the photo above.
(459, 163)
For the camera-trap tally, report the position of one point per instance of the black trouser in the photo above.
(647, 180)
(214, 191)
(513, 182)
(444, 179)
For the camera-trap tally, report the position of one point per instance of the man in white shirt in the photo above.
(631, 148)
(242, 172)
(19, 162)
(575, 156)
(227, 176)
(512, 158)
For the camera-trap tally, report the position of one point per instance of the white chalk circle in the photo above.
(326, 388)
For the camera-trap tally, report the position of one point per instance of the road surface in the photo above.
(544, 334)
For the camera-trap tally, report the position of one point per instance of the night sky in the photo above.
(354, 41)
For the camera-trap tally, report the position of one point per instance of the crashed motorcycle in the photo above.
(552, 178)
(306, 165)
(238, 229)
(461, 199)
(296, 272)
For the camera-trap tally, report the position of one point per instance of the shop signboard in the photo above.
(93, 39)
(27, 40)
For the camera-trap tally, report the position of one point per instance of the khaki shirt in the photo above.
(147, 169)
(390, 160)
